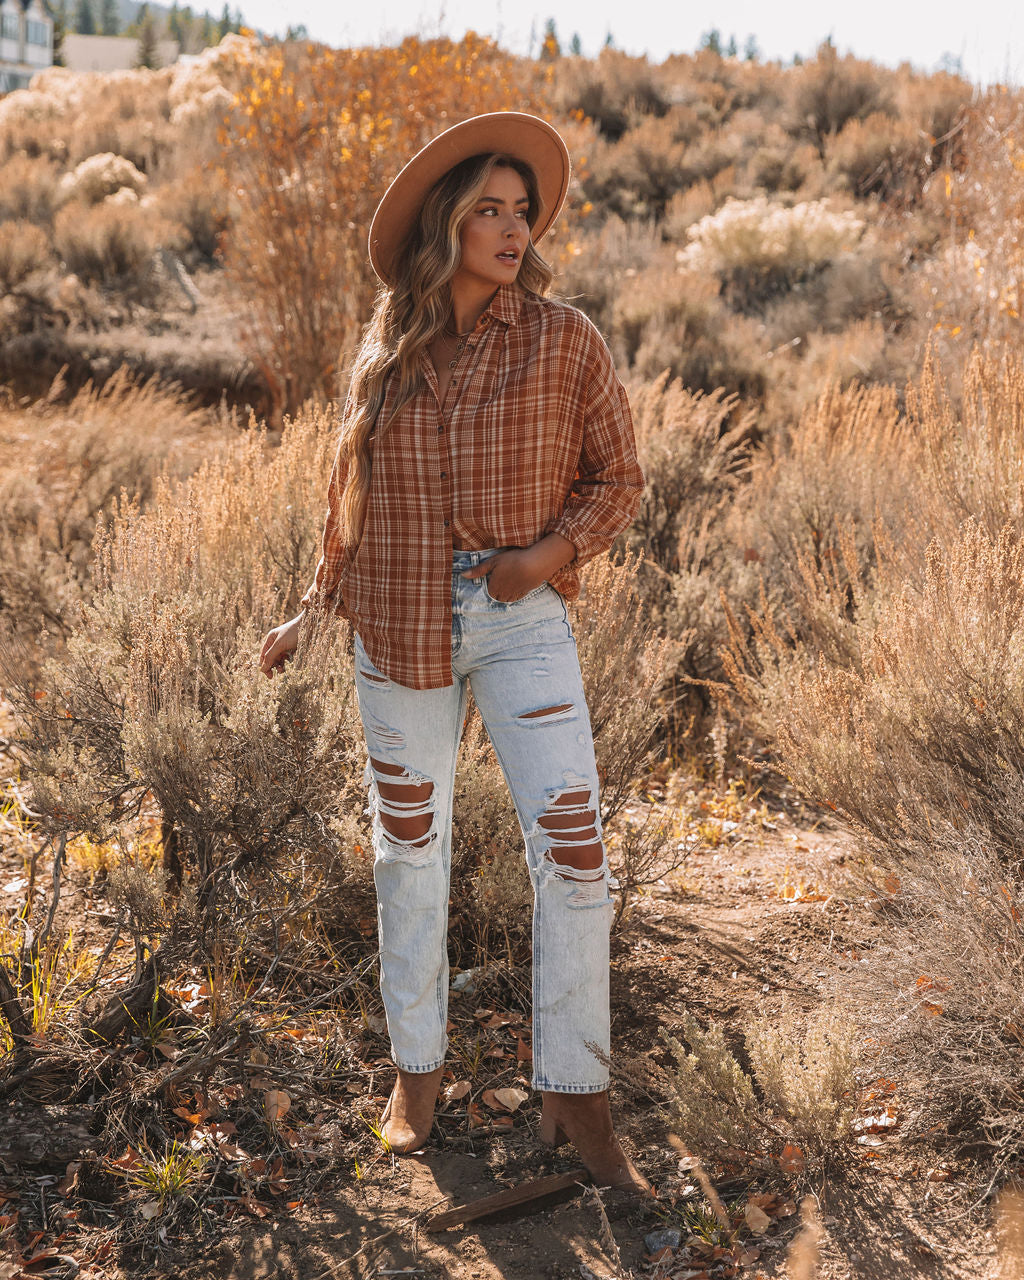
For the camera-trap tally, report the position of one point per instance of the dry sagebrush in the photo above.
(895, 699)
(800, 1087)
(67, 466)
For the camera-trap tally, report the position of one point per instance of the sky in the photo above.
(986, 35)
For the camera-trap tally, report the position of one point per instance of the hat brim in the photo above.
(511, 133)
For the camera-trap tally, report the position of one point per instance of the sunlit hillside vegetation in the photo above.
(811, 280)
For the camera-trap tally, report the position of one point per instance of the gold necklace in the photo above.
(460, 343)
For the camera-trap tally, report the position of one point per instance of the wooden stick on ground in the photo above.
(527, 1193)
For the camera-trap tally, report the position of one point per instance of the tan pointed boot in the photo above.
(408, 1116)
(585, 1120)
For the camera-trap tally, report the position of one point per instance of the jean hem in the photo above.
(550, 1086)
(418, 1068)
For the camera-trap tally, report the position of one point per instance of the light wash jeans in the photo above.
(520, 661)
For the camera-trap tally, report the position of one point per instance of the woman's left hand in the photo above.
(515, 573)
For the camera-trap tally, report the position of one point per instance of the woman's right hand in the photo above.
(279, 645)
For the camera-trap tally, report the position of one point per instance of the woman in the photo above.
(486, 454)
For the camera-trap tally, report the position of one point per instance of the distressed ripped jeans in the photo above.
(520, 661)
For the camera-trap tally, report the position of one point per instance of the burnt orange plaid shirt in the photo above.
(535, 436)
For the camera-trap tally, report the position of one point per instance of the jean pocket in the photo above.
(508, 604)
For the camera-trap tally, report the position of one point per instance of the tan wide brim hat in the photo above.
(510, 133)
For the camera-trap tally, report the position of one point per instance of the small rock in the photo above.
(664, 1238)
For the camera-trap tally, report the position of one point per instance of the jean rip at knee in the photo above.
(403, 807)
(566, 839)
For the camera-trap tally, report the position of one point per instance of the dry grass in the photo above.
(890, 686)
(65, 466)
(800, 1091)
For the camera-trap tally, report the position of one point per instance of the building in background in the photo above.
(111, 53)
(26, 42)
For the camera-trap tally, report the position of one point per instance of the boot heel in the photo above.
(551, 1133)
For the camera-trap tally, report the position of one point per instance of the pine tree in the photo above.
(750, 50)
(147, 56)
(550, 48)
(224, 25)
(712, 41)
(85, 23)
(188, 27)
(174, 24)
(732, 48)
(60, 27)
(110, 18)
(576, 45)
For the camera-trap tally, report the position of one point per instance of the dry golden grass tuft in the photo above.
(798, 1096)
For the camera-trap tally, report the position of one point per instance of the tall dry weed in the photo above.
(891, 688)
(66, 466)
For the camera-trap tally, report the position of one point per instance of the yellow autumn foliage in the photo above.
(314, 138)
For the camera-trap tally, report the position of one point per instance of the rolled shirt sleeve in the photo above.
(609, 482)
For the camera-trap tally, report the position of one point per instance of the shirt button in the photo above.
(439, 430)
(447, 523)
(444, 475)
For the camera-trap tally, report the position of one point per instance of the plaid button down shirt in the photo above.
(535, 436)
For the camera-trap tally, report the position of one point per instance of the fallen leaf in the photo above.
(151, 1209)
(457, 1090)
(938, 1175)
(129, 1160)
(756, 1219)
(476, 1116)
(276, 1103)
(792, 1159)
(498, 1020)
(511, 1099)
(524, 1053)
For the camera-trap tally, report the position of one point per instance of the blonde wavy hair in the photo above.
(407, 316)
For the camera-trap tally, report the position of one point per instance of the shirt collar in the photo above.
(506, 304)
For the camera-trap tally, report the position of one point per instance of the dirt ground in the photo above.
(744, 926)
